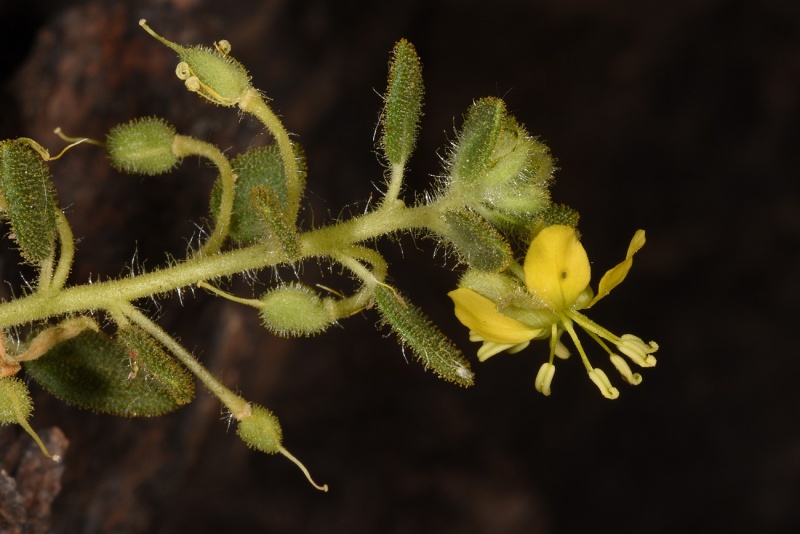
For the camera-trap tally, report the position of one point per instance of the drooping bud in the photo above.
(210, 72)
(143, 146)
(296, 310)
(403, 104)
(429, 344)
(94, 372)
(28, 199)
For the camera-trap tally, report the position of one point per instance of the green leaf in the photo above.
(259, 166)
(94, 372)
(156, 365)
(477, 242)
(273, 218)
(28, 200)
(428, 343)
(400, 117)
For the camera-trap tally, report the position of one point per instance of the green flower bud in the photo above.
(142, 146)
(260, 430)
(28, 199)
(497, 169)
(210, 72)
(296, 310)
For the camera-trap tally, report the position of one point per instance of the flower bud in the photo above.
(257, 167)
(15, 401)
(497, 169)
(142, 146)
(295, 310)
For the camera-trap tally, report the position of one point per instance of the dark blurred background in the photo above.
(678, 117)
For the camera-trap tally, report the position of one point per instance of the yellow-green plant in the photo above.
(526, 278)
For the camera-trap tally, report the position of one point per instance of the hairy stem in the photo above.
(321, 242)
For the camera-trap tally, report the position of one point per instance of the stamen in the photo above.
(490, 348)
(603, 384)
(183, 71)
(624, 369)
(636, 349)
(544, 378)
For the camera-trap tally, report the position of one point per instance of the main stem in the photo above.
(321, 242)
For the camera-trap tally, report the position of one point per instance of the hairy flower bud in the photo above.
(497, 169)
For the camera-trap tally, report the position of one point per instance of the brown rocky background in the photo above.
(679, 117)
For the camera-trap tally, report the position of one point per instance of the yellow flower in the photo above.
(556, 286)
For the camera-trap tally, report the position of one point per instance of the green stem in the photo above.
(237, 405)
(395, 183)
(184, 146)
(252, 102)
(322, 242)
(45, 274)
(67, 252)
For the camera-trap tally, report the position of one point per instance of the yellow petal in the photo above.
(480, 315)
(556, 267)
(617, 274)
